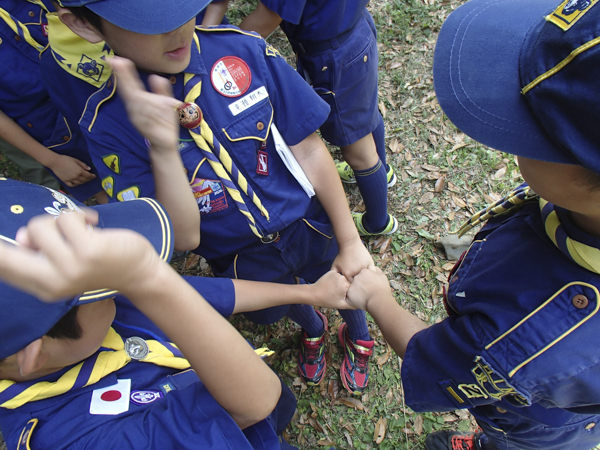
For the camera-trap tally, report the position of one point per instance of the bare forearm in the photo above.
(174, 193)
(262, 20)
(215, 13)
(397, 324)
(230, 376)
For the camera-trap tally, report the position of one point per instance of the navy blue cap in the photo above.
(522, 77)
(143, 16)
(24, 318)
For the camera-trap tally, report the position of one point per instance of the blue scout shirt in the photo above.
(519, 345)
(269, 91)
(24, 97)
(316, 20)
(163, 407)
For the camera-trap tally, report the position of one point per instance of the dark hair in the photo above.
(67, 327)
(87, 15)
(591, 180)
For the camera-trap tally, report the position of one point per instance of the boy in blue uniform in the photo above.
(28, 120)
(94, 371)
(519, 346)
(336, 48)
(258, 221)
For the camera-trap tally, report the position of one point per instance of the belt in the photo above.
(328, 44)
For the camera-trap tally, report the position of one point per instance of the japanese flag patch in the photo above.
(231, 76)
(111, 400)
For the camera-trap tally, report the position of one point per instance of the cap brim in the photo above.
(477, 81)
(149, 16)
(143, 215)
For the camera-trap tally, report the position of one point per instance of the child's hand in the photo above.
(71, 171)
(366, 286)
(153, 113)
(330, 291)
(352, 258)
(62, 257)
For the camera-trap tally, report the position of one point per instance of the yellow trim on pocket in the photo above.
(320, 232)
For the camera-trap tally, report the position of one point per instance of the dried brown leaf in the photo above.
(418, 426)
(426, 198)
(191, 260)
(380, 427)
(383, 358)
(439, 184)
(382, 109)
(351, 402)
(333, 388)
(325, 442)
(316, 425)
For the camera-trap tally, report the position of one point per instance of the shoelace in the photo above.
(462, 443)
(312, 351)
(361, 361)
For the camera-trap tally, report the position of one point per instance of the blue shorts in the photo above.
(510, 431)
(348, 84)
(305, 249)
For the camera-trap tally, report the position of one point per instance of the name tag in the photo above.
(249, 100)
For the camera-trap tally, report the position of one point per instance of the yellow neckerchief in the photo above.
(218, 157)
(584, 255)
(20, 30)
(77, 56)
(14, 395)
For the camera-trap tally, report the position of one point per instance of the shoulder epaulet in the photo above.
(270, 50)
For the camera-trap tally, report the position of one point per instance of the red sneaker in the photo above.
(355, 367)
(311, 359)
(453, 440)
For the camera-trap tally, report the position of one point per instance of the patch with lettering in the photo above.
(209, 195)
(231, 76)
(569, 12)
(249, 100)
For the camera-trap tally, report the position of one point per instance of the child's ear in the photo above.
(80, 27)
(31, 358)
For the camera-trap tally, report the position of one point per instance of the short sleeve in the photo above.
(219, 292)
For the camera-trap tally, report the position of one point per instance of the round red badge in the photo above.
(231, 76)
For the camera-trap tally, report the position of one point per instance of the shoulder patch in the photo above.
(569, 12)
(108, 184)
(113, 162)
(129, 194)
(25, 437)
(272, 51)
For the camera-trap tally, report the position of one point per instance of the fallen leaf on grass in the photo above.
(418, 427)
(325, 442)
(380, 430)
(382, 359)
(351, 402)
(333, 388)
(316, 425)
(191, 261)
(439, 184)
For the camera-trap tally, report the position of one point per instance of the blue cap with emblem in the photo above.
(24, 318)
(143, 16)
(522, 77)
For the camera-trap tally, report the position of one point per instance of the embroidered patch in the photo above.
(209, 195)
(490, 384)
(249, 100)
(145, 397)
(167, 387)
(262, 166)
(25, 438)
(113, 162)
(90, 68)
(231, 76)
(63, 204)
(129, 194)
(569, 12)
(111, 400)
(108, 184)
(45, 29)
(272, 51)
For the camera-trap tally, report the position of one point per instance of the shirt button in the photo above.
(324, 69)
(29, 124)
(109, 83)
(366, 58)
(580, 301)
(31, 14)
(65, 138)
(17, 38)
(500, 410)
(590, 425)
(260, 126)
(173, 80)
